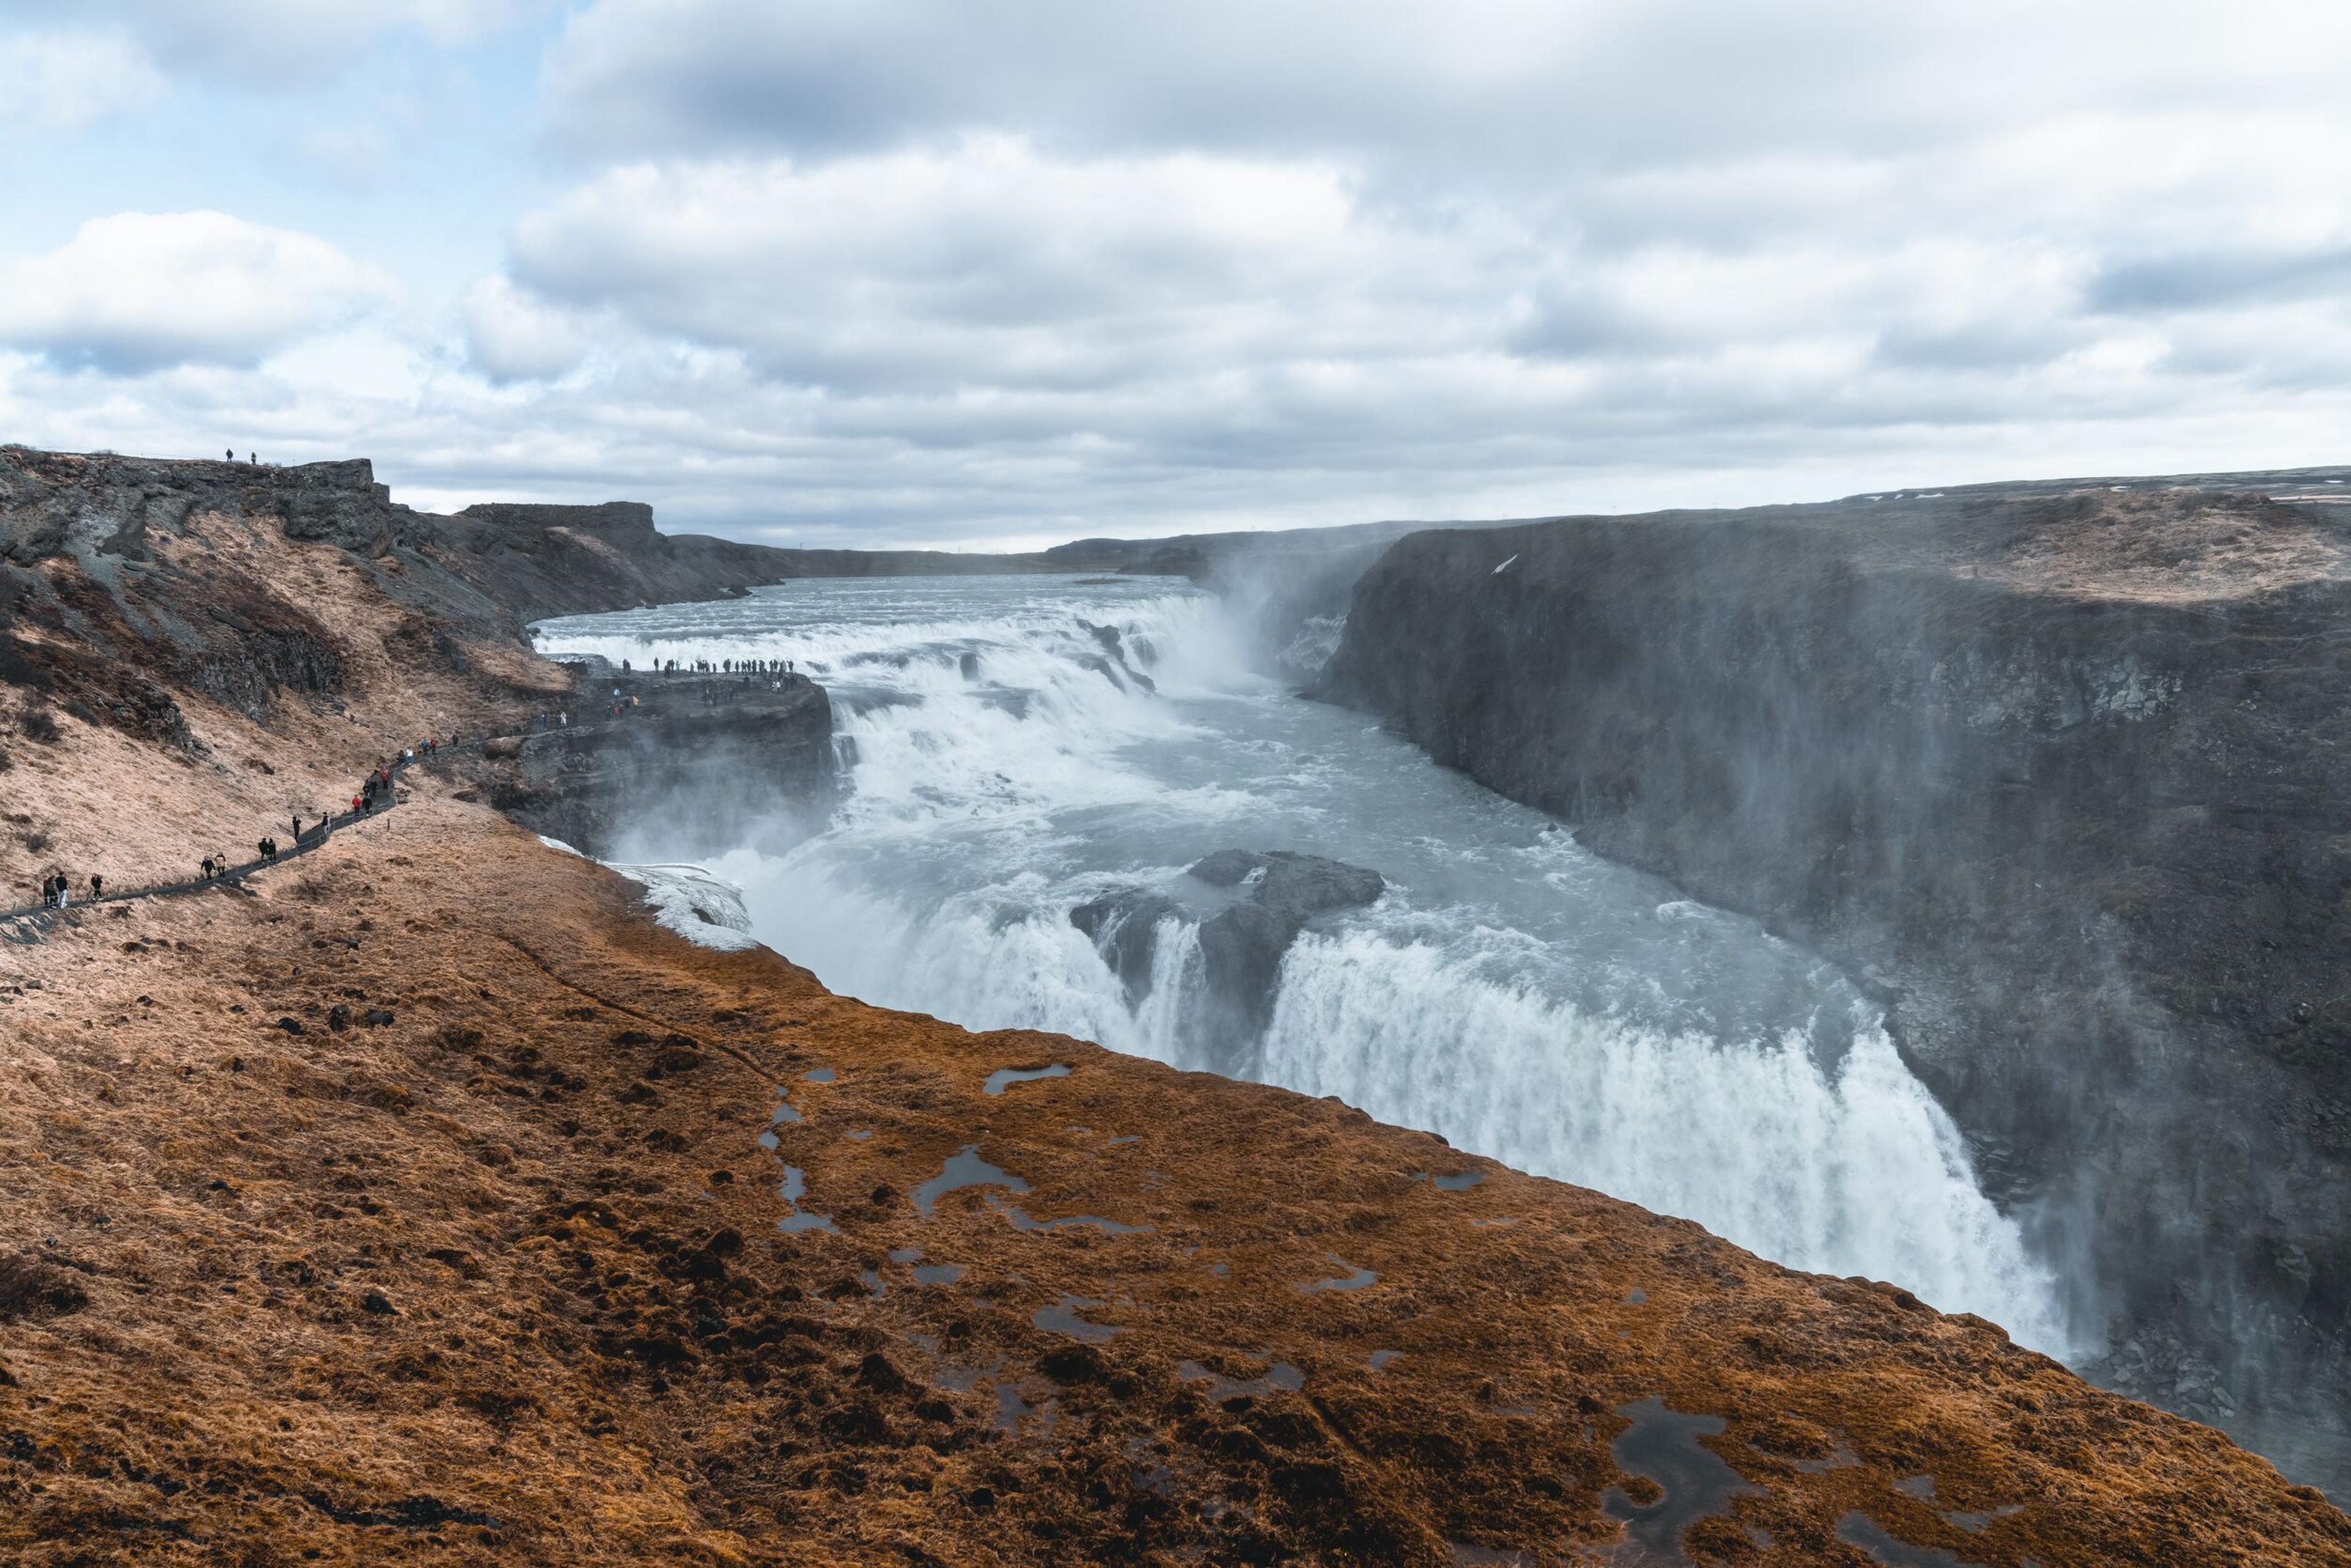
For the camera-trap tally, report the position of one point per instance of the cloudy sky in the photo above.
(987, 271)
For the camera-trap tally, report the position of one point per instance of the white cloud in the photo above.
(511, 335)
(909, 269)
(64, 83)
(140, 291)
(989, 265)
(257, 42)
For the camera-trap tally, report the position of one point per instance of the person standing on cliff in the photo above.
(96, 887)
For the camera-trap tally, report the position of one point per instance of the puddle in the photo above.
(1857, 1529)
(769, 1142)
(819, 1075)
(964, 1379)
(1662, 1445)
(1977, 1523)
(1129, 1138)
(875, 1289)
(938, 1273)
(1486, 1556)
(1460, 1181)
(1500, 1219)
(1004, 1078)
(905, 1255)
(1022, 1222)
(1380, 1359)
(1920, 1487)
(964, 1168)
(1354, 1280)
(1009, 1408)
(861, 1133)
(794, 1186)
(784, 1111)
(1280, 1378)
(1841, 1458)
(1636, 1295)
(1061, 1318)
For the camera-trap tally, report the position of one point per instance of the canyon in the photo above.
(2058, 771)
(604, 1246)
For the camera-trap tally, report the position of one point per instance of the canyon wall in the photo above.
(720, 763)
(2061, 774)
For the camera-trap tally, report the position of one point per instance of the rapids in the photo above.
(1511, 991)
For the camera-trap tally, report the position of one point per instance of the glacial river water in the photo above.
(1511, 991)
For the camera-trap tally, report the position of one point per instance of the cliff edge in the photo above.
(2061, 773)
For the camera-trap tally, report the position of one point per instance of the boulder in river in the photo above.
(1241, 947)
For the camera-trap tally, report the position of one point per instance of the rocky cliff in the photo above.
(2061, 772)
(715, 764)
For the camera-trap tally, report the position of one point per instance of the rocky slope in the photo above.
(2060, 772)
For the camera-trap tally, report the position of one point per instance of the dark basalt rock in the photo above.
(1123, 925)
(1114, 665)
(756, 766)
(1241, 947)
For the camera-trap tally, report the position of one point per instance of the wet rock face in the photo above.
(1123, 927)
(1241, 947)
(700, 778)
(2058, 773)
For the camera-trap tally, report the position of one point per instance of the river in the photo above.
(1520, 996)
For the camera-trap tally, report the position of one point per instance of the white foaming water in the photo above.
(1511, 991)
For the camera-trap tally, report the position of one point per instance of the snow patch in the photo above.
(698, 906)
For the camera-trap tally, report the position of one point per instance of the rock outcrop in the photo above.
(2060, 772)
(700, 766)
(1272, 896)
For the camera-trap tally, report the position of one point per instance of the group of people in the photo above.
(57, 889)
(725, 667)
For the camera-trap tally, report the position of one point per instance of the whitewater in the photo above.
(1004, 762)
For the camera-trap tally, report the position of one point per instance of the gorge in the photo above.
(601, 1239)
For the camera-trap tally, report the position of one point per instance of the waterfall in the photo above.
(1019, 746)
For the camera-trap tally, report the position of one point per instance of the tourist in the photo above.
(96, 887)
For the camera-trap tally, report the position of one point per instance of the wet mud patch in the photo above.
(962, 1169)
(1857, 1529)
(1004, 1078)
(1686, 1481)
